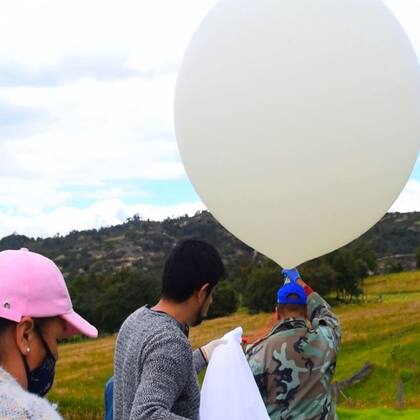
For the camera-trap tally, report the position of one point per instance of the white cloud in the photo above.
(408, 13)
(103, 213)
(409, 199)
(29, 197)
(41, 34)
(87, 88)
(86, 97)
(97, 131)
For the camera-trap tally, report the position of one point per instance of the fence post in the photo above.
(400, 396)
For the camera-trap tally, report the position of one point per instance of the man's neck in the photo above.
(291, 317)
(173, 309)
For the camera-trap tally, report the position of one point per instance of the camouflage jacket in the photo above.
(294, 364)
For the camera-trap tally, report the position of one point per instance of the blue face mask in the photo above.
(41, 379)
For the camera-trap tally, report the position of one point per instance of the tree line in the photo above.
(107, 299)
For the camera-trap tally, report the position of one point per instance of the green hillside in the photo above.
(143, 244)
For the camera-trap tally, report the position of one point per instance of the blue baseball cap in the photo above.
(291, 294)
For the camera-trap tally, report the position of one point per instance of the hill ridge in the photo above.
(143, 244)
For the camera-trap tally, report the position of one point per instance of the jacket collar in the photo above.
(289, 324)
(283, 325)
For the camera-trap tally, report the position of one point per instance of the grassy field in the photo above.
(385, 330)
(379, 413)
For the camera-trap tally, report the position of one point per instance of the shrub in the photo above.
(262, 286)
(225, 300)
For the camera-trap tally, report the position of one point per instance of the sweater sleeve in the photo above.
(199, 361)
(164, 372)
(15, 403)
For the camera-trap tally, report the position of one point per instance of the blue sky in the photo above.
(86, 100)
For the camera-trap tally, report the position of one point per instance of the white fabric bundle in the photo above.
(229, 390)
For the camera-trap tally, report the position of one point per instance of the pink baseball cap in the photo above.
(32, 285)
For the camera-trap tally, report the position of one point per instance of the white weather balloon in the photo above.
(298, 121)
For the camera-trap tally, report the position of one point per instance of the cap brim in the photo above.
(78, 325)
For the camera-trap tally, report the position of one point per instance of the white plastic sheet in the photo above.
(229, 390)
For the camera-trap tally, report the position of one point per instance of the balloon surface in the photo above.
(298, 121)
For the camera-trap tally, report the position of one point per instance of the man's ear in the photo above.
(203, 293)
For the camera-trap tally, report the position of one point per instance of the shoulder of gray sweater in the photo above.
(156, 332)
(169, 337)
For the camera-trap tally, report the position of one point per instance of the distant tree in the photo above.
(170, 226)
(225, 300)
(418, 257)
(261, 290)
(320, 275)
(394, 267)
(349, 279)
(107, 301)
(367, 258)
(85, 292)
(362, 268)
(137, 218)
(14, 242)
(126, 292)
(111, 306)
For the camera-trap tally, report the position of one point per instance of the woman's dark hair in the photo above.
(190, 265)
(5, 324)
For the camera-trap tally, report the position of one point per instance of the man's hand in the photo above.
(208, 349)
(291, 276)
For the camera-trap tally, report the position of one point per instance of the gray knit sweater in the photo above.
(155, 370)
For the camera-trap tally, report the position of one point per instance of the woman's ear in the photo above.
(24, 334)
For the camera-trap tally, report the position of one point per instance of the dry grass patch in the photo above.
(393, 283)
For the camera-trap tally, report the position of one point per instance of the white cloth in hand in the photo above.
(208, 349)
(229, 390)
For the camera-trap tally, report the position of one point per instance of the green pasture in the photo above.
(383, 330)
